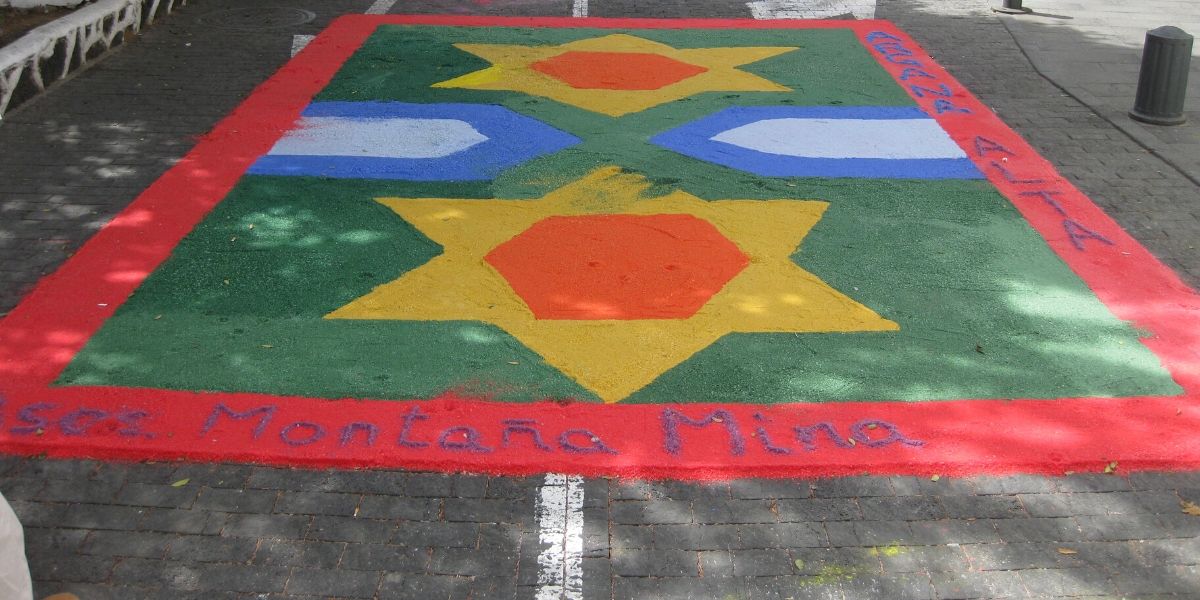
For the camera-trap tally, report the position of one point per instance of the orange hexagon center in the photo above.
(618, 266)
(616, 70)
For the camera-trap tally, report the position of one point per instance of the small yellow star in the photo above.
(614, 357)
(516, 68)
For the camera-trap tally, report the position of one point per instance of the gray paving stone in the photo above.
(292, 553)
(1025, 555)
(1047, 505)
(1047, 529)
(783, 535)
(636, 587)
(93, 591)
(74, 569)
(161, 496)
(502, 536)
(236, 500)
(655, 563)
(399, 507)
(902, 508)
(427, 535)
(1168, 551)
(425, 586)
(750, 489)
(983, 507)
(760, 563)
(1121, 527)
(486, 510)
(909, 585)
(267, 526)
(52, 542)
(349, 529)
(921, 559)
(156, 573)
(182, 521)
(334, 582)
(471, 562)
(868, 533)
(90, 492)
(818, 509)
(1013, 484)
(852, 487)
(925, 486)
(21, 488)
(637, 536)
(634, 512)
(381, 557)
(98, 516)
(733, 511)
(240, 578)
(211, 548)
(716, 563)
(526, 487)
(696, 537)
(1157, 480)
(1041, 583)
(38, 514)
(140, 544)
(1179, 525)
(974, 584)
(317, 503)
(431, 485)
(384, 483)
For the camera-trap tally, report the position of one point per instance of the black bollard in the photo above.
(1162, 82)
(1012, 7)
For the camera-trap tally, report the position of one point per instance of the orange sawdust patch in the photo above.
(616, 70)
(618, 266)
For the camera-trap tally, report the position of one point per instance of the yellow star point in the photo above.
(613, 357)
(512, 70)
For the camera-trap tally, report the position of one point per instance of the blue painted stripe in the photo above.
(367, 167)
(513, 139)
(693, 139)
(757, 113)
(396, 110)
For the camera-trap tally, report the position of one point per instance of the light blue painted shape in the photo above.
(823, 141)
(509, 140)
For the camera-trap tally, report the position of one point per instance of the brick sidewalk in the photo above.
(77, 156)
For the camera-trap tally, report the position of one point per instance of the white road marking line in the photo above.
(299, 42)
(381, 7)
(560, 530)
(811, 9)
(579, 8)
(573, 541)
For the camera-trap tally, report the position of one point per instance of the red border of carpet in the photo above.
(960, 437)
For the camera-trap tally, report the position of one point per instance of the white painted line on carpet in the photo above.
(380, 7)
(299, 42)
(811, 9)
(579, 8)
(560, 531)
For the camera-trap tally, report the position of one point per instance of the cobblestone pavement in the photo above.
(1104, 73)
(75, 157)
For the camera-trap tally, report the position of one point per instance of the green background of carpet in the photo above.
(986, 310)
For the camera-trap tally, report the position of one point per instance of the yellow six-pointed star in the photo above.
(616, 74)
(611, 325)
